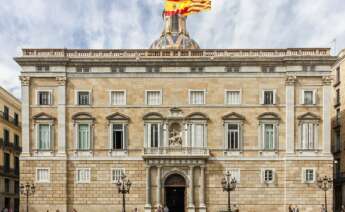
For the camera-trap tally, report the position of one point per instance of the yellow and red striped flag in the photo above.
(186, 7)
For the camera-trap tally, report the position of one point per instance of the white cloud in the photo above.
(136, 23)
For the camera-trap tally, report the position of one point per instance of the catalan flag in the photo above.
(186, 7)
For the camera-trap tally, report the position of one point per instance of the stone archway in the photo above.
(175, 193)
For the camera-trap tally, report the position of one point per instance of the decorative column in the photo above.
(326, 113)
(191, 207)
(148, 189)
(290, 114)
(159, 185)
(202, 205)
(61, 107)
(25, 115)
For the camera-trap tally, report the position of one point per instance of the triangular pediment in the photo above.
(82, 116)
(309, 116)
(197, 116)
(153, 116)
(233, 116)
(43, 116)
(269, 116)
(117, 116)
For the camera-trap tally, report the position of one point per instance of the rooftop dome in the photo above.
(174, 35)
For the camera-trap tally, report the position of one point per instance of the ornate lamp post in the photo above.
(123, 186)
(229, 184)
(325, 183)
(27, 190)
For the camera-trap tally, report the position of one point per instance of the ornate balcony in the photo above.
(176, 152)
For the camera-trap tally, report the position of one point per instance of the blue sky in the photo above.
(136, 23)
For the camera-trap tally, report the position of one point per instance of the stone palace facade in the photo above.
(174, 119)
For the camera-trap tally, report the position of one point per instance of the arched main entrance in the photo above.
(175, 189)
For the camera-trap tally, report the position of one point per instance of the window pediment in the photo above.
(269, 116)
(309, 116)
(153, 116)
(83, 116)
(118, 116)
(197, 116)
(233, 116)
(43, 116)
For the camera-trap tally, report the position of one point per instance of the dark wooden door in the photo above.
(175, 198)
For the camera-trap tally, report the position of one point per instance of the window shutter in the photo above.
(314, 96)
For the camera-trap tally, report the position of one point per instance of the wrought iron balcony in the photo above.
(176, 152)
(9, 119)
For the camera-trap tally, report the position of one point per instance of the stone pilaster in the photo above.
(159, 168)
(326, 114)
(191, 206)
(202, 205)
(290, 114)
(148, 206)
(25, 115)
(61, 107)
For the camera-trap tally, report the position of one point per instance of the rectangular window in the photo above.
(153, 98)
(16, 119)
(16, 187)
(308, 97)
(7, 162)
(118, 136)
(117, 174)
(337, 140)
(84, 137)
(196, 135)
(42, 68)
(308, 136)
(83, 98)
(269, 136)
(338, 75)
(337, 100)
(16, 165)
(7, 185)
(16, 141)
(6, 113)
(44, 137)
(154, 131)
(235, 174)
(118, 97)
(42, 175)
(233, 136)
(6, 137)
(44, 98)
(268, 176)
(197, 97)
(308, 175)
(83, 175)
(233, 97)
(83, 69)
(268, 97)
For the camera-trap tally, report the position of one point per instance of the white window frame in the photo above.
(263, 172)
(50, 97)
(232, 171)
(302, 100)
(262, 135)
(123, 171)
(77, 180)
(240, 134)
(196, 90)
(76, 132)
(125, 135)
(51, 135)
(111, 97)
(160, 97)
(191, 138)
(316, 134)
(76, 98)
(262, 99)
(42, 181)
(226, 100)
(148, 133)
(304, 175)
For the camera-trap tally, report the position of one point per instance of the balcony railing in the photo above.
(9, 119)
(176, 151)
(10, 146)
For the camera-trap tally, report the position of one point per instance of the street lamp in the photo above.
(27, 190)
(325, 183)
(229, 184)
(123, 186)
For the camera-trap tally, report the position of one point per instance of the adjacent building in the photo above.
(10, 148)
(339, 131)
(174, 118)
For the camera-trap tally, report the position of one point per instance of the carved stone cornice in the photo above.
(327, 80)
(290, 80)
(61, 80)
(25, 80)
